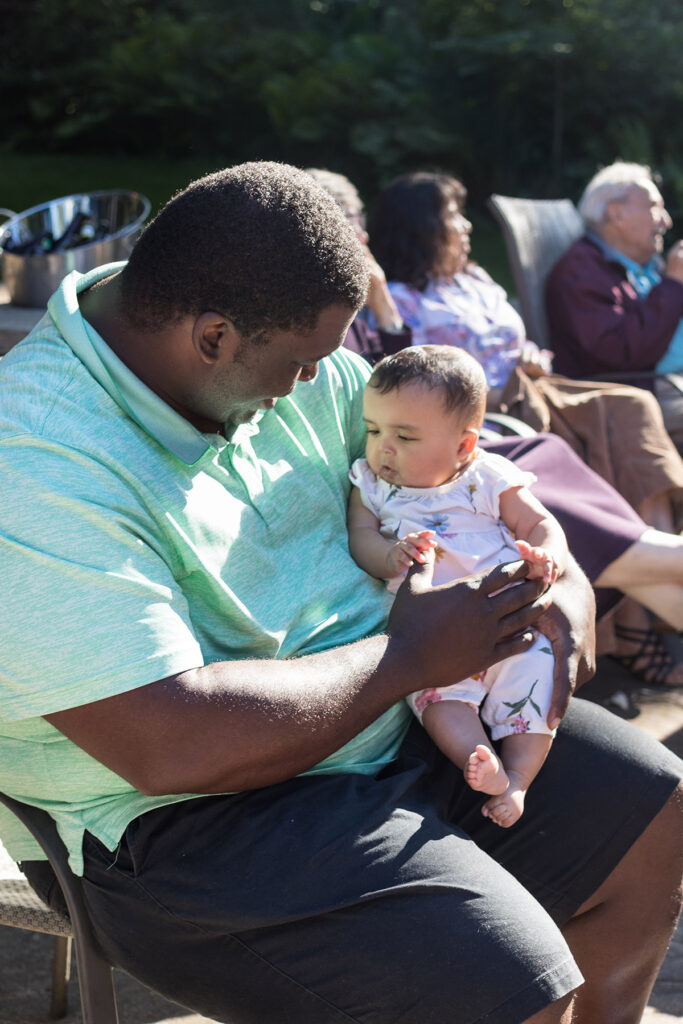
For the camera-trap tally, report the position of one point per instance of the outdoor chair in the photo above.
(20, 907)
(536, 232)
(499, 424)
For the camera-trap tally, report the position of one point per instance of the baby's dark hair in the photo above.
(261, 243)
(452, 371)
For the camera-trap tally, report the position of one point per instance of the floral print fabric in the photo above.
(464, 514)
(469, 311)
(515, 694)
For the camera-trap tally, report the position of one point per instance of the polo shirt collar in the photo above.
(146, 408)
(643, 276)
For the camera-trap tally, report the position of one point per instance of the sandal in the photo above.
(652, 663)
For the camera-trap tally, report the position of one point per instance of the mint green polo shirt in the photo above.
(134, 547)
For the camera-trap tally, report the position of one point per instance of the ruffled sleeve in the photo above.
(491, 475)
(362, 477)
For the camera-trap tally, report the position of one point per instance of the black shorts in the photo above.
(387, 900)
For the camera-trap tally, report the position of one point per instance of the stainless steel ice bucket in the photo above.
(41, 245)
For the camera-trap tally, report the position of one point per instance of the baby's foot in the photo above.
(507, 808)
(484, 771)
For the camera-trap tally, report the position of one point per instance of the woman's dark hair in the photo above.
(261, 243)
(407, 229)
(452, 371)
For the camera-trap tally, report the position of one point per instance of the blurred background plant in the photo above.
(525, 97)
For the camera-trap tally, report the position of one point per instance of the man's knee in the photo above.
(425, 956)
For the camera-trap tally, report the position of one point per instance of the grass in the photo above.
(29, 180)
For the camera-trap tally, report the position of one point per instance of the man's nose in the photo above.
(665, 220)
(309, 372)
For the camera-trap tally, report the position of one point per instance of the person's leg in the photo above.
(650, 572)
(620, 433)
(655, 557)
(621, 933)
(637, 645)
(456, 728)
(327, 900)
(664, 599)
(522, 758)
(657, 511)
(601, 845)
(565, 1007)
(610, 541)
(516, 711)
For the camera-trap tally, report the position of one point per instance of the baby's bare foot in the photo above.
(507, 808)
(484, 771)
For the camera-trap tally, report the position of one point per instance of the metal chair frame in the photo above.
(95, 979)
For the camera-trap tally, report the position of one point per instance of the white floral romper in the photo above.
(515, 694)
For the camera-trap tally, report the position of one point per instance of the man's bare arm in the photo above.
(240, 725)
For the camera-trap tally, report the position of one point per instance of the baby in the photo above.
(425, 490)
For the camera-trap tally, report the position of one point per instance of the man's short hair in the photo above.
(261, 243)
(453, 372)
(611, 184)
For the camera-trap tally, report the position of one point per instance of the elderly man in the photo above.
(614, 302)
(206, 692)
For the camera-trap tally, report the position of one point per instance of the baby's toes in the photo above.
(501, 813)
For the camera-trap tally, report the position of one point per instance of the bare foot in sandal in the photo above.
(644, 654)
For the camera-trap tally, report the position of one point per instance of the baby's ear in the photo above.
(468, 441)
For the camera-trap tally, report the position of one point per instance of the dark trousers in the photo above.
(386, 900)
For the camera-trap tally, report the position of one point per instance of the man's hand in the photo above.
(674, 262)
(569, 625)
(454, 630)
(379, 299)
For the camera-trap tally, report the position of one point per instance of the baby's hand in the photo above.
(542, 565)
(414, 547)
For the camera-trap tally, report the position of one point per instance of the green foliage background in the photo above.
(522, 97)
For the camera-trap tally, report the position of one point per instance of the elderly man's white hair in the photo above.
(610, 184)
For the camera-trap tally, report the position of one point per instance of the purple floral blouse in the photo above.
(470, 311)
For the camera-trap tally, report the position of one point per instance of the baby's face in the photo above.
(412, 440)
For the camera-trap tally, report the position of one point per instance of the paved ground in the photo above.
(25, 957)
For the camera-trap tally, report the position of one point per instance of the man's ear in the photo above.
(214, 337)
(613, 212)
(468, 442)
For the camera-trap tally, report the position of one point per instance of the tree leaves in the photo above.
(524, 96)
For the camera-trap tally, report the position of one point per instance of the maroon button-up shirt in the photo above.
(598, 324)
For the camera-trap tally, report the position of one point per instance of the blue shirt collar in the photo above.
(643, 278)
